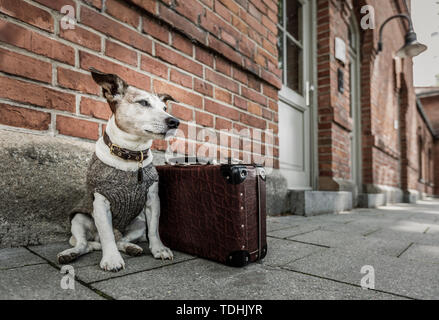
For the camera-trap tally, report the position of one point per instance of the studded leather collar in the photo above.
(125, 153)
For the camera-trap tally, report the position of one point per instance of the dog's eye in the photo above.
(144, 103)
(165, 108)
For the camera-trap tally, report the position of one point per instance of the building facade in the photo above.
(296, 85)
(359, 113)
(428, 103)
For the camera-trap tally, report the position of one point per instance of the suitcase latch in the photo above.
(261, 172)
(234, 174)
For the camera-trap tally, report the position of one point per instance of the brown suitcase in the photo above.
(217, 212)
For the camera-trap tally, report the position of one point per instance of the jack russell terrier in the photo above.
(122, 183)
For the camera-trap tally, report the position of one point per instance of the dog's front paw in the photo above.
(133, 250)
(113, 262)
(161, 252)
(67, 256)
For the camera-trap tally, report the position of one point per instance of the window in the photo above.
(290, 44)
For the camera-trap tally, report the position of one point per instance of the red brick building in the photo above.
(344, 130)
(428, 101)
(368, 144)
(368, 134)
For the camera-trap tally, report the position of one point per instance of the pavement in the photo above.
(393, 250)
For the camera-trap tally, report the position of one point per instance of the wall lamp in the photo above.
(412, 47)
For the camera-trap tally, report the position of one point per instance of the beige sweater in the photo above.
(126, 195)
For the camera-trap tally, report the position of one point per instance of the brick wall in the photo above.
(430, 104)
(389, 117)
(436, 167)
(417, 146)
(334, 121)
(431, 107)
(218, 58)
(425, 148)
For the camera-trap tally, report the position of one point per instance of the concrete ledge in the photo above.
(311, 203)
(42, 177)
(411, 196)
(370, 200)
(278, 200)
(391, 194)
(423, 195)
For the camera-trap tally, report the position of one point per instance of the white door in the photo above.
(294, 45)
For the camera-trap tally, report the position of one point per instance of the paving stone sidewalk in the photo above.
(309, 258)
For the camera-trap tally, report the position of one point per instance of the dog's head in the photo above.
(136, 111)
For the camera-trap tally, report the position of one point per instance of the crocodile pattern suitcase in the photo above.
(217, 212)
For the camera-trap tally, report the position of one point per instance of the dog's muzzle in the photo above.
(172, 123)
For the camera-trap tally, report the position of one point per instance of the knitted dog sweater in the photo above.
(127, 196)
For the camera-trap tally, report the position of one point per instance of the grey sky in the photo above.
(425, 14)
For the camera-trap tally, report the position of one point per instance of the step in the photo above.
(311, 203)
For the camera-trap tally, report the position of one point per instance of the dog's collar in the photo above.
(125, 153)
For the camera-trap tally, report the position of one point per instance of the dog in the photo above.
(122, 184)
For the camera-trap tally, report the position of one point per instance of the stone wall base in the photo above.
(411, 196)
(311, 203)
(371, 200)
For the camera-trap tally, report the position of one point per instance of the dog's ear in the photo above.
(166, 97)
(111, 84)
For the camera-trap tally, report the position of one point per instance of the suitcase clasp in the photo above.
(261, 172)
(235, 174)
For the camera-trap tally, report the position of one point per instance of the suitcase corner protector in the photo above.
(241, 258)
(238, 259)
(263, 252)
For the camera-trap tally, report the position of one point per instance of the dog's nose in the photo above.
(172, 123)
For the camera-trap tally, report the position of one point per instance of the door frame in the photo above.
(285, 94)
(313, 79)
(357, 170)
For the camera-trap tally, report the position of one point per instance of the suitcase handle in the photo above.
(194, 160)
(190, 160)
